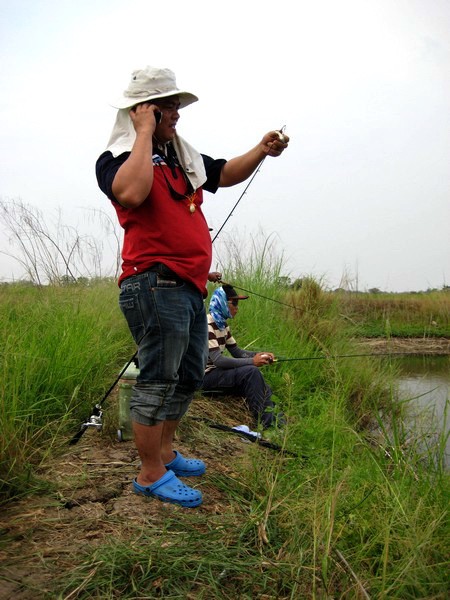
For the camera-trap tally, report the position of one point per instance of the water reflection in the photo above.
(425, 381)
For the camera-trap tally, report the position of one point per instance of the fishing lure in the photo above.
(281, 135)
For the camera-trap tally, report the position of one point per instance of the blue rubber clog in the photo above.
(170, 489)
(186, 467)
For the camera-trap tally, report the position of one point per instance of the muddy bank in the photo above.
(432, 346)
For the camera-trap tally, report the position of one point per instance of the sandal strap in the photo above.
(162, 481)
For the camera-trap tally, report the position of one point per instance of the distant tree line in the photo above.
(286, 282)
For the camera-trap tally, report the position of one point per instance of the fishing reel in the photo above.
(95, 420)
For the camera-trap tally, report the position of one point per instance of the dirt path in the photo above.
(45, 536)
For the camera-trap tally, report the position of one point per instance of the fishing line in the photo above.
(322, 357)
(280, 132)
(261, 296)
(240, 198)
(281, 136)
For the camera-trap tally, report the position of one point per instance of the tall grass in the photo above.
(424, 314)
(360, 512)
(59, 347)
(349, 518)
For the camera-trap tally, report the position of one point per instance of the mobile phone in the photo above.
(158, 114)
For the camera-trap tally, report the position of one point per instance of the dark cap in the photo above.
(231, 293)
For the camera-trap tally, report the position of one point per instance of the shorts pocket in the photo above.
(131, 310)
(168, 282)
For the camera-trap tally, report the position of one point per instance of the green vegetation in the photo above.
(60, 346)
(361, 512)
(424, 314)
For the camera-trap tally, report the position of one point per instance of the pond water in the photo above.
(424, 382)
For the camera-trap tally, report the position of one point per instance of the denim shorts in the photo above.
(167, 319)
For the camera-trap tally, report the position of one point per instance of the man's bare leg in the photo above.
(148, 440)
(168, 435)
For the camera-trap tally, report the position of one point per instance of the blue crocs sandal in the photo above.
(186, 467)
(170, 489)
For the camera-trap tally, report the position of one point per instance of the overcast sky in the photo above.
(363, 87)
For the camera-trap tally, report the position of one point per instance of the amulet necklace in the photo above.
(190, 194)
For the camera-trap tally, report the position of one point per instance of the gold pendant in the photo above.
(191, 199)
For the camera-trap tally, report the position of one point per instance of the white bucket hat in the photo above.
(152, 83)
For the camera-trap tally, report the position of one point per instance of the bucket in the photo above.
(126, 382)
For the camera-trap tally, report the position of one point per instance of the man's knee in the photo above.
(180, 401)
(254, 376)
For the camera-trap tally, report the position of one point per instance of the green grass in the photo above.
(424, 314)
(349, 520)
(59, 348)
(361, 512)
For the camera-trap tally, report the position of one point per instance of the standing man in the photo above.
(155, 181)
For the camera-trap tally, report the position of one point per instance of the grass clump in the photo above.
(180, 561)
(55, 342)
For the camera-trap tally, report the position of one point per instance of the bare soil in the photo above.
(46, 535)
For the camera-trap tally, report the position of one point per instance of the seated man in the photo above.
(239, 374)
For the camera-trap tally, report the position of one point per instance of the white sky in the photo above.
(363, 87)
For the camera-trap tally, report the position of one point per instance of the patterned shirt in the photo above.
(221, 339)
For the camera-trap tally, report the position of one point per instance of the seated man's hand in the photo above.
(215, 276)
(263, 358)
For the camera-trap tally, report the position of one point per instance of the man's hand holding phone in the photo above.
(143, 114)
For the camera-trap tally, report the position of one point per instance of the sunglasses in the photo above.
(233, 302)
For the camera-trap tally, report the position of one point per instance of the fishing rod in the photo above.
(248, 436)
(331, 356)
(230, 214)
(281, 137)
(96, 416)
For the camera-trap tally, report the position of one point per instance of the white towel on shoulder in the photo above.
(123, 136)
